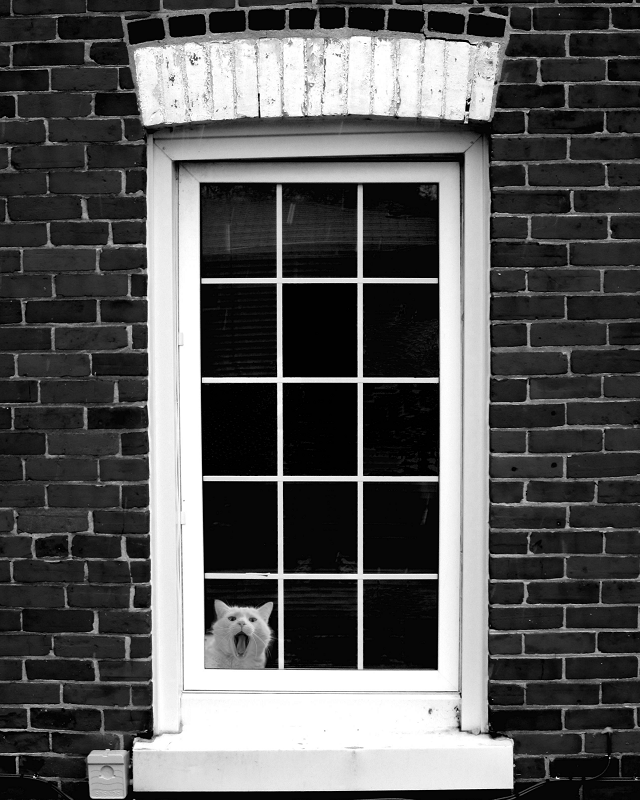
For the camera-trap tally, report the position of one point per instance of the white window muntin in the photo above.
(446, 175)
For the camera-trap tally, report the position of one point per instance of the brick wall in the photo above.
(564, 416)
(74, 569)
(74, 667)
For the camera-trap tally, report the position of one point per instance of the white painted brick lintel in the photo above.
(297, 77)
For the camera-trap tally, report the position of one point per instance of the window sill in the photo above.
(251, 747)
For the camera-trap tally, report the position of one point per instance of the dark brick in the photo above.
(44, 208)
(527, 568)
(54, 366)
(547, 334)
(536, 45)
(103, 338)
(80, 130)
(573, 69)
(508, 122)
(66, 718)
(77, 391)
(560, 492)
(603, 464)
(121, 522)
(525, 618)
(51, 547)
(229, 21)
(518, 363)
(444, 22)
(83, 496)
(564, 441)
(621, 281)
(559, 643)
(622, 439)
(84, 79)
(132, 417)
(504, 254)
(87, 443)
(47, 54)
(61, 469)
(116, 105)
(562, 694)
(18, 391)
(78, 233)
(526, 719)
(539, 202)
(97, 597)
(602, 44)
(32, 596)
(56, 621)
(83, 743)
(130, 232)
(599, 307)
(508, 335)
(619, 692)
(267, 19)
(530, 96)
(619, 641)
(116, 207)
(23, 235)
(92, 546)
(602, 617)
(109, 52)
(61, 311)
(563, 592)
(122, 258)
(188, 25)
(91, 285)
(16, 183)
(627, 69)
(59, 669)
(123, 310)
(23, 496)
(409, 21)
(526, 467)
(124, 670)
(603, 567)
(528, 416)
(35, 418)
(47, 156)
(501, 669)
(12, 339)
(623, 542)
(24, 80)
(85, 27)
(605, 516)
(54, 105)
(25, 644)
(569, 227)
(610, 148)
(52, 521)
(91, 694)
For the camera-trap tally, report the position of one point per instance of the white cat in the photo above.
(238, 638)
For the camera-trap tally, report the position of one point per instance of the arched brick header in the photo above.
(374, 75)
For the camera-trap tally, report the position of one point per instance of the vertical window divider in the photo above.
(280, 437)
(360, 318)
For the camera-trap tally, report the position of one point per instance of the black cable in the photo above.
(21, 778)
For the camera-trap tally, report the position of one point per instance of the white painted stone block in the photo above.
(359, 77)
(315, 77)
(334, 93)
(270, 77)
(172, 77)
(150, 87)
(246, 75)
(384, 78)
(221, 58)
(293, 77)
(409, 74)
(484, 77)
(198, 82)
(457, 59)
(433, 78)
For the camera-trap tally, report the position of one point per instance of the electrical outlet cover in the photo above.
(108, 772)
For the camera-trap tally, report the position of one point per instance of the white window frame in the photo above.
(446, 678)
(394, 725)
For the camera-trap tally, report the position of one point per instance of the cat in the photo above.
(239, 637)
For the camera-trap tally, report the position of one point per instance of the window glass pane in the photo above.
(401, 230)
(400, 624)
(319, 330)
(320, 527)
(238, 230)
(401, 330)
(319, 230)
(239, 429)
(401, 527)
(240, 526)
(238, 330)
(320, 429)
(320, 624)
(401, 429)
(244, 594)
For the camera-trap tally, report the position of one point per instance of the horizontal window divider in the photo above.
(326, 478)
(212, 281)
(324, 576)
(245, 379)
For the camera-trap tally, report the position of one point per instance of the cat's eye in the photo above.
(252, 619)
(231, 619)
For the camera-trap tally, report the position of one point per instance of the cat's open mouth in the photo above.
(241, 644)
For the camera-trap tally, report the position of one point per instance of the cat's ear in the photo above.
(265, 611)
(221, 608)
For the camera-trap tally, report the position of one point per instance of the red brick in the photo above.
(526, 467)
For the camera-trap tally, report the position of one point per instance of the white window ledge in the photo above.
(240, 743)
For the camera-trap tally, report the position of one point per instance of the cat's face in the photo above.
(242, 632)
